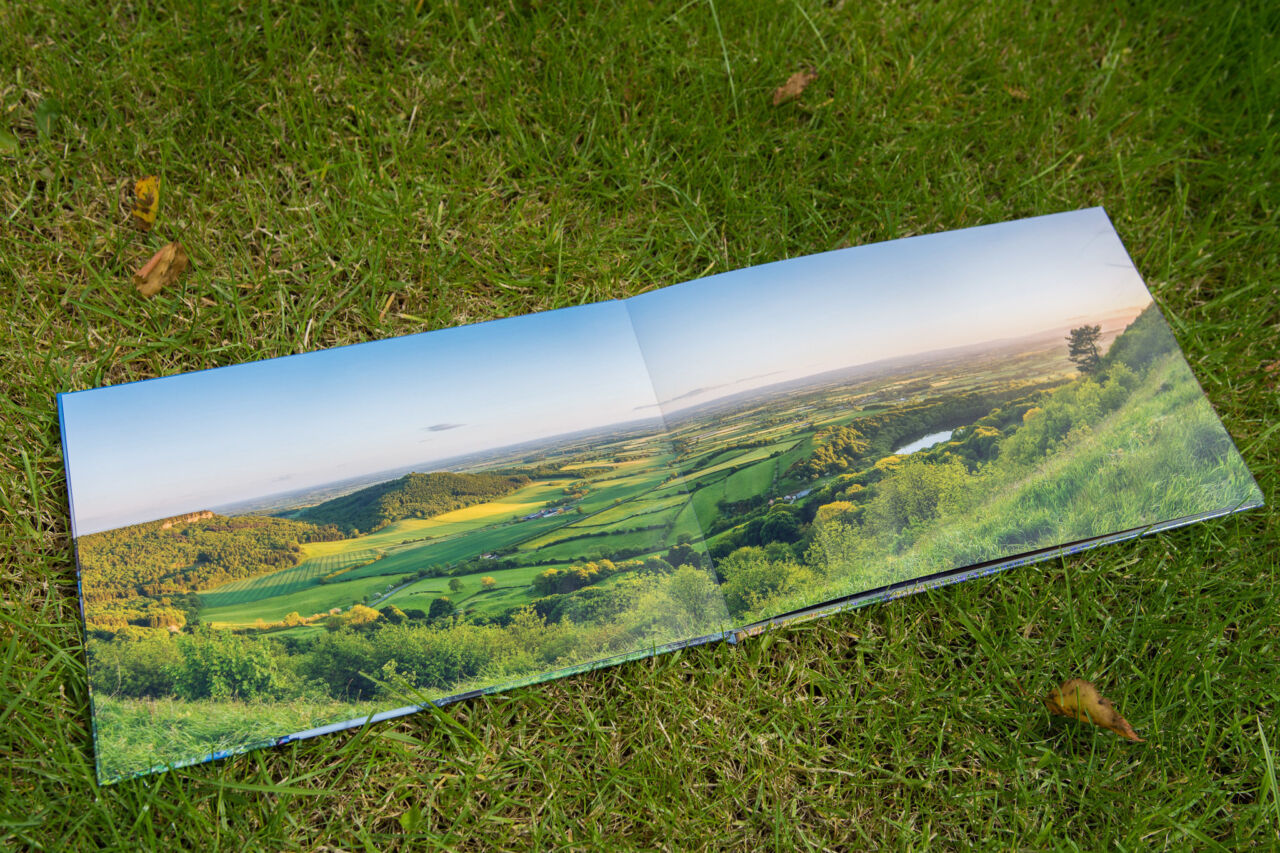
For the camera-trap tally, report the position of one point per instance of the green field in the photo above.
(405, 547)
(621, 489)
(736, 460)
(305, 602)
(644, 511)
(745, 479)
(581, 549)
(306, 596)
(286, 581)
(616, 498)
(413, 530)
(512, 589)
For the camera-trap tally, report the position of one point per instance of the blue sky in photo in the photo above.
(151, 449)
(753, 327)
(156, 448)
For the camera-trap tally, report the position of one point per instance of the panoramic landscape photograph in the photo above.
(305, 543)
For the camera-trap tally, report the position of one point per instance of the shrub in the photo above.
(441, 608)
(915, 494)
(139, 667)
(337, 659)
(751, 579)
(222, 665)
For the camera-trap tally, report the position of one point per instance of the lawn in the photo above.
(343, 175)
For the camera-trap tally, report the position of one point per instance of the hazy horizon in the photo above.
(178, 444)
(168, 446)
(398, 471)
(816, 313)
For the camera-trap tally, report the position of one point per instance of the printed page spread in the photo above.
(275, 550)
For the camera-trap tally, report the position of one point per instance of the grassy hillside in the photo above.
(412, 496)
(1161, 456)
(285, 581)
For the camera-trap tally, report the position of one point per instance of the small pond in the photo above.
(921, 443)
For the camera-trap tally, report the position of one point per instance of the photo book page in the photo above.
(309, 543)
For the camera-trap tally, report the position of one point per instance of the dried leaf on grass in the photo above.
(162, 270)
(1272, 370)
(794, 87)
(146, 201)
(8, 142)
(1080, 700)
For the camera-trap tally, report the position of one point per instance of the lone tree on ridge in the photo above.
(1082, 348)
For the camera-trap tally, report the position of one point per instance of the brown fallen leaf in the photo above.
(1272, 370)
(146, 201)
(794, 87)
(1080, 700)
(162, 270)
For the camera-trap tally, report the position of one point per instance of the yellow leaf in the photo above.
(794, 87)
(1080, 700)
(162, 270)
(146, 201)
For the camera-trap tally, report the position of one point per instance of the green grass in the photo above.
(346, 175)
(644, 510)
(750, 481)
(744, 482)
(512, 588)
(285, 581)
(596, 545)
(1130, 471)
(604, 493)
(407, 546)
(131, 726)
(307, 601)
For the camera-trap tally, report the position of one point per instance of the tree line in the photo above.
(154, 560)
(372, 653)
(412, 496)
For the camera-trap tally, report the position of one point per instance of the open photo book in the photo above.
(274, 550)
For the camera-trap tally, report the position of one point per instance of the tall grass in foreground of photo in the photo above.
(137, 734)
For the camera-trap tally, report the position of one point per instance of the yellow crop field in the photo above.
(520, 502)
(586, 466)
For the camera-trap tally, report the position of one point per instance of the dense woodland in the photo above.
(412, 496)
(175, 556)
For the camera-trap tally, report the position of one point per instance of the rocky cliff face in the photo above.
(186, 519)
